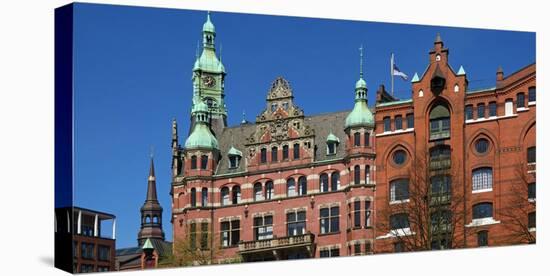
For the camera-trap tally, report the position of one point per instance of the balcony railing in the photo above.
(440, 198)
(440, 163)
(440, 134)
(289, 241)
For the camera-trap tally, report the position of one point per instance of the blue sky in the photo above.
(133, 75)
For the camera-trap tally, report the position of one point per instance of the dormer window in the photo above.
(233, 162)
(438, 57)
(285, 105)
(273, 107)
(332, 144)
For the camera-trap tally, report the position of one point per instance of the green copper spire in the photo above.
(201, 136)
(415, 78)
(361, 83)
(148, 245)
(208, 25)
(461, 71)
(360, 115)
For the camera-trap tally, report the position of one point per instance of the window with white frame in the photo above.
(269, 191)
(296, 223)
(323, 182)
(236, 194)
(399, 221)
(329, 220)
(302, 185)
(291, 187)
(508, 107)
(399, 189)
(327, 253)
(258, 191)
(367, 214)
(334, 181)
(482, 210)
(225, 196)
(263, 227)
(230, 233)
(357, 214)
(482, 179)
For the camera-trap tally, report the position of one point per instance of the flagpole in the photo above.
(391, 73)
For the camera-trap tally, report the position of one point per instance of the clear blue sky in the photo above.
(133, 75)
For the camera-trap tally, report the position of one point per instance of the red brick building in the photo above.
(293, 186)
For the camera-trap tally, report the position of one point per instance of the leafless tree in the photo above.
(435, 205)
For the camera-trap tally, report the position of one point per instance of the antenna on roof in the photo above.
(361, 61)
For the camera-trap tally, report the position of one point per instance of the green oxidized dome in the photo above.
(208, 26)
(360, 115)
(332, 138)
(201, 137)
(361, 83)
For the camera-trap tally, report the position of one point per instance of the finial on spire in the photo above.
(244, 118)
(361, 61)
(438, 38)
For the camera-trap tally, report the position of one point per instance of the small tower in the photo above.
(208, 79)
(151, 211)
(201, 147)
(360, 116)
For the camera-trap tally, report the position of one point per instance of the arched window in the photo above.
(263, 155)
(236, 195)
(225, 196)
(257, 191)
(323, 181)
(274, 152)
(440, 122)
(291, 187)
(357, 175)
(357, 139)
(204, 162)
(334, 181)
(532, 94)
(302, 185)
(387, 124)
(483, 210)
(296, 149)
(193, 197)
(155, 219)
(367, 174)
(285, 152)
(482, 179)
(147, 219)
(269, 192)
(531, 155)
(193, 162)
(204, 197)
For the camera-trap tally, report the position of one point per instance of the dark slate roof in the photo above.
(163, 248)
(323, 124)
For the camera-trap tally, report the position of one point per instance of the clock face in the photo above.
(209, 81)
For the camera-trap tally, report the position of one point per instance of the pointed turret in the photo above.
(201, 137)
(360, 115)
(151, 211)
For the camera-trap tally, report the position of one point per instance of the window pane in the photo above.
(285, 152)
(481, 111)
(357, 139)
(274, 152)
(483, 210)
(532, 191)
(532, 220)
(482, 179)
(410, 121)
(324, 182)
(482, 238)
(492, 109)
(520, 100)
(532, 155)
(398, 122)
(532, 94)
(469, 112)
(296, 151)
(334, 181)
(387, 126)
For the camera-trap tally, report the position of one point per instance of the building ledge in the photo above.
(403, 232)
(492, 118)
(395, 132)
(531, 103)
(522, 109)
(247, 247)
(400, 201)
(482, 222)
(482, 191)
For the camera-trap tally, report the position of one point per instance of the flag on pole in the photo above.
(396, 71)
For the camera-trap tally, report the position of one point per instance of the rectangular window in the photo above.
(296, 223)
(532, 220)
(492, 109)
(327, 253)
(410, 120)
(398, 122)
(368, 248)
(230, 233)
(193, 162)
(532, 155)
(263, 228)
(399, 221)
(263, 156)
(331, 148)
(285, 152)
(357, 214)
(399, 189)
(204, 235)
(87, 250)
(85, 268)
(193, 236)
(357, 249)
(469, 111)
(387, 124)
(296, 151)
(482, 179)
(399, 247)
(532, 94)
(274, 153)
(233, 162)
(532, 191)
(367, 139)
(508, 107)
(357, 139)
(330, 220)
(520, 100)
(104, 253)
(483, 238)
(367, 214)
(480, 111)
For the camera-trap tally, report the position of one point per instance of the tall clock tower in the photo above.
(208, 80)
